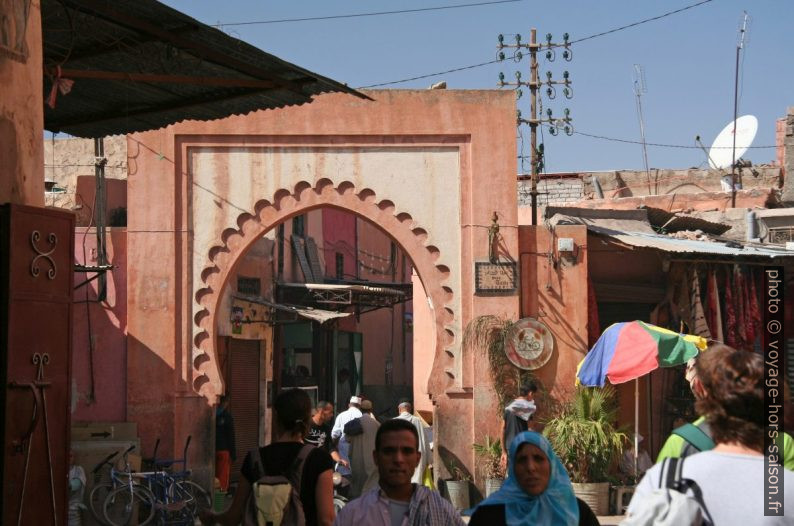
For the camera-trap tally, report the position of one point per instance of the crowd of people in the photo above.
(382, 463)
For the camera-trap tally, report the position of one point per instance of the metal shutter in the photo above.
(244, 394)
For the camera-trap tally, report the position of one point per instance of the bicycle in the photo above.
(130, 502)
(177, 499)
(101, 488)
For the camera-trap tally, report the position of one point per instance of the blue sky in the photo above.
(688, 60)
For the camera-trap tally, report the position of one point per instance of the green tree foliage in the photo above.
(584, 434)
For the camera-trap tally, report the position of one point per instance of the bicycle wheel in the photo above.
(200, 499)
(124, 507)
(96, 501)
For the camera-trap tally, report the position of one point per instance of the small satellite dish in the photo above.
(721, 153)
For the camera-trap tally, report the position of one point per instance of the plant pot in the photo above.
(458, 494)
(595, 494)
(492, 486)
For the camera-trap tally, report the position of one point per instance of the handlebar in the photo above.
(104, 461)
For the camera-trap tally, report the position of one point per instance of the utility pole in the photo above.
(739, 47)
(639, 89)
(536, 158)
(533, 125)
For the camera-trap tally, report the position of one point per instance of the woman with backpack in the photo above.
(288, 469)
(725, 485)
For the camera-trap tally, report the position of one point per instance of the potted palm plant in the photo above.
(489, 461)
(585, 436)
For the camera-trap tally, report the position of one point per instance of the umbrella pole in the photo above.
(636, 425)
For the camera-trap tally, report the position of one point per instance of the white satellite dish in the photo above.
(721, 154)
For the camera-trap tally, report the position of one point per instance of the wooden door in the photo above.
(36, 258)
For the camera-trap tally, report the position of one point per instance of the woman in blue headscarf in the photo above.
(537, 491)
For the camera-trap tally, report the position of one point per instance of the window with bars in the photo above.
(249, 286)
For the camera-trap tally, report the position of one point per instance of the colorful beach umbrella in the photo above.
(628, 350)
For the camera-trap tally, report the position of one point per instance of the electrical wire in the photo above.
(590, 37)
(634, 24)
(357, 15)
(658, 145)
(430, 74)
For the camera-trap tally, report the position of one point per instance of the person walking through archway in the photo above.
(225, 448)
(405, 410)
(291, 414)
(396, 500)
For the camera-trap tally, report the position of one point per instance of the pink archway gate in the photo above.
(251, 226)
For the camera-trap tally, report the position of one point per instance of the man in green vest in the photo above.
(696, 437)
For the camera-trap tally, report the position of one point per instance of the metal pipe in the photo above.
(752, 226)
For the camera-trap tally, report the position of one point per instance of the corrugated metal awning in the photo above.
(691, 247)
(310, 313)
(139, 65)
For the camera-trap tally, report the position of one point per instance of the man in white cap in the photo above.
(352, 412)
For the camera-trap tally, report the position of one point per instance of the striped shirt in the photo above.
(426, 508)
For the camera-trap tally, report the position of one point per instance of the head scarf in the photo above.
(555, 506)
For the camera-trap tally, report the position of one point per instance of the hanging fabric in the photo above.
(752, 310)
(697, 323)
(739, 301)
(713, 311)
(730, 310)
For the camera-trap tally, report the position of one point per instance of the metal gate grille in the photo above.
(244, 393)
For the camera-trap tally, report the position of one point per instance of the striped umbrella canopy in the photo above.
(628, 350)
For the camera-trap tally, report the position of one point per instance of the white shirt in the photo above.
(732, 485)
(337, 433)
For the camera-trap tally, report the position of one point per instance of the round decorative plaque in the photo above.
(529, 344)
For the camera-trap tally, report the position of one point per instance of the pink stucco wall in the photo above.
(424, 336)
(169, 366)
(101, 394)
(555, 292)
(115, 194)
(339, 235)
(22, 110)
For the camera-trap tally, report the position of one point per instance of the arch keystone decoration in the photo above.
(233, 243)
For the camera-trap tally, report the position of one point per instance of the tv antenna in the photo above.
(639, 88)
(739, 47)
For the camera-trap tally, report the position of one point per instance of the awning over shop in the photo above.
(633, 228)
(139, 65)
(344, 294)
(692, 247)
(319, 315)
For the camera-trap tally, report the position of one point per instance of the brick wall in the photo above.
(552, 191)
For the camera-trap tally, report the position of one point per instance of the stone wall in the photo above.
(69, 158)
(631, 183)
(552, 191)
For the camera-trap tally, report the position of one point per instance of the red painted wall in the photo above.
(108, 329)
(339, 235)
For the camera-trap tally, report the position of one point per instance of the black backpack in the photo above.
(275, 499)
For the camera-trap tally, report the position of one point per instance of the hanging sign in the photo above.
(495, 278)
